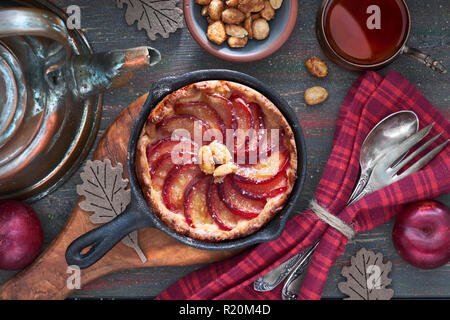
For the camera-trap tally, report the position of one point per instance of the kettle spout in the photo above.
(99, 72)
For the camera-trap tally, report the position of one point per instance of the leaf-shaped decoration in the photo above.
(106, 195)
(156, 17)
(367, 277)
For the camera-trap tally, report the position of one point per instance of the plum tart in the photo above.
(216, 160)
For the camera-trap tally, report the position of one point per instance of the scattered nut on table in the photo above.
(237, 21)
(317, 67)
(315, 95)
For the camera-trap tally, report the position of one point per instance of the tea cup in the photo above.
(352, 33)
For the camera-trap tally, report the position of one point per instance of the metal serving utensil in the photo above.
(385, 171)
(383, 174)
(387, 133)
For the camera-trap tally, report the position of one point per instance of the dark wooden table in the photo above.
(105, 27)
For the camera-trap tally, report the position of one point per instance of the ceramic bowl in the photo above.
(280, 29)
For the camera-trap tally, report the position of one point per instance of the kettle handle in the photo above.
(35, 22)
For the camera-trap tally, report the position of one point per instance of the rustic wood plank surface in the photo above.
(105, 27)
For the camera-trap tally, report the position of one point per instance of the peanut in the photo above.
(315, 95)
(248, 27)
(235, 42)
(251, 5)
(235, 16)
(235, 31)
(260, 29)
(205, 160)
(223, 170)
(202, 2)
(215, 9)
(216, 32)
(276, 4)
(232, 16)
(268, 12)
(317, 67)
(220, 153)
(232, 3)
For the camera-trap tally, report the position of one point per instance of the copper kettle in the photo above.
(47, 93)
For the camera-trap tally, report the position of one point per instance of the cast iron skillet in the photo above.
(139, 215)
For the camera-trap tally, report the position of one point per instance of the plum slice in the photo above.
(163, 166)
(239, 204)
(263, 190)
(222, 216)
(204, 112)
(258, 115)
(181, 150)
(245, 124)
(265, 170)
(195, 202)
(243, 113)
(224, 108)
(187, 122)
(177, 182)
(256, 139)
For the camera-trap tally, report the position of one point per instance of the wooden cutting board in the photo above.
(46, 278)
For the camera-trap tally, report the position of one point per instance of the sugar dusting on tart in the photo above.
(216, 160)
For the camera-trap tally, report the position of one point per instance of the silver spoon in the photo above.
(386, 134)
(389, 132)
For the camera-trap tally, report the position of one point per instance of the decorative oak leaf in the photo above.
(156, 17)
(106, 195)
(367, 277)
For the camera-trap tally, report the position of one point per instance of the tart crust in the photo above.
(208, 230)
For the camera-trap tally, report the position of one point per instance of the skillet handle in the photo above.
(102, 239)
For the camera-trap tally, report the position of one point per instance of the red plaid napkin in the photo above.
(369, 100)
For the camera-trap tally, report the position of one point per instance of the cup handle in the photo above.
(425, 59)
(36, 22)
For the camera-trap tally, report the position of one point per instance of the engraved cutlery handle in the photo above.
(363, 179)
(274, 277)
(368, 189)
(295, 279)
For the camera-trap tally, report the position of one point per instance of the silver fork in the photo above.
(386, 170)
(383, 174)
